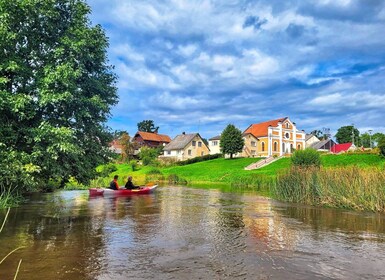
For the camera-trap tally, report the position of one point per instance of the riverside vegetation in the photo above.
(351, 181)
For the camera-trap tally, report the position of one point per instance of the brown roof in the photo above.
(260, 129)
(149, 136)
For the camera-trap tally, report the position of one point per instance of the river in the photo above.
(188, 233)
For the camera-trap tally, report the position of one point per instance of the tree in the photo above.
(56, 89)
(381, 146)
(347, 134)
(317, 133)
(147, 126)
(128, 147)
(231, 140)
(377, 137)
(365, 140)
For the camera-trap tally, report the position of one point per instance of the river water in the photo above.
(188, 233)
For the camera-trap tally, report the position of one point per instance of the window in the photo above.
(169, 152)
(253, 144)
(253, 152)
(263, 146)
(275, 146)
(215, 143)
(287, 125)
(299, 147)
(202, 153)
(291, 148)
(194, 143)
(199, 144)
(189, 152)
(287, 135)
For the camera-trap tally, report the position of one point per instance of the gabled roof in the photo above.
(323, 144)
(149, 136)
(180, 142)
(338, 148)
(218, 137)
(260, 129)
(308, 136)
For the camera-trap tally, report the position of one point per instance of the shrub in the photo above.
(175, 179)
(381, 146)
(199, 159)
(134, 164)
(107, 170)
(306, 158)
(147, 155)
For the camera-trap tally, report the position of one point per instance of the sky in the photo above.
(199, 65)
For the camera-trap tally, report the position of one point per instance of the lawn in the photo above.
(231, 170)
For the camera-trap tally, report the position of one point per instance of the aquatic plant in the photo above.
(344, 187)
(10, 253)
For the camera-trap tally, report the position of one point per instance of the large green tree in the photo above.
(232, 141)
(346, 134)
(147, 126)
(56, 90)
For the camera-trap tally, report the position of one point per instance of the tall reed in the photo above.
(4, 258)
(348, 187)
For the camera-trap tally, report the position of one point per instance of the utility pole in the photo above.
(353, 134)
(370, 137)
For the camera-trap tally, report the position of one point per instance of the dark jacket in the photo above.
(114, 185)
(130, 186)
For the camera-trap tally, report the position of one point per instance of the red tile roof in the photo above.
(149, 136)
(260, 129)
(338, 148)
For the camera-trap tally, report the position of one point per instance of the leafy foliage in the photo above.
(381, 146)
(231, 140)
(306, 158)
(147, 126)
(199, 159)
(346, 134)
(148, 155)
(56, 90)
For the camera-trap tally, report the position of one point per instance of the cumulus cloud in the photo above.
(210, 62)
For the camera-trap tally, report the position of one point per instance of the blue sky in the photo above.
(196, 66)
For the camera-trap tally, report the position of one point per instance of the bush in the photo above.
(148, 155)
(175, 179)
(199, 159)
(107, 170)
(381, 146)
(134, 164)
(306, 158)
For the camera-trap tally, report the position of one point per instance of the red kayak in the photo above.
(122, 192)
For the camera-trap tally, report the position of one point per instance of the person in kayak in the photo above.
(130, 185)
(114, 183)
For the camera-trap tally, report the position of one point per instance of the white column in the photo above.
(295, 136)
(270, 141)
(280, 139)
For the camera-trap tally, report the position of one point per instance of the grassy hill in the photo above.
(232, 170)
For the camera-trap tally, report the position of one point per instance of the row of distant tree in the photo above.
(350, 134)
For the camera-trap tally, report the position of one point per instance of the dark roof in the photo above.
(215, 138)
(321, 144)
(180, 142)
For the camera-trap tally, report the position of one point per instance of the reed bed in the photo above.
(345, 187)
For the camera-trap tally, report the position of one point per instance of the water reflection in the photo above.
(187, 233)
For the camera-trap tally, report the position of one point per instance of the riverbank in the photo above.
(356, 181)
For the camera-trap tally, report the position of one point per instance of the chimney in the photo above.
(184, 133)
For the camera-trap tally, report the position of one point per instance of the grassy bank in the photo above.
(345, 181)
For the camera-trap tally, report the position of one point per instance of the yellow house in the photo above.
(273, 138)
(185, 146)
